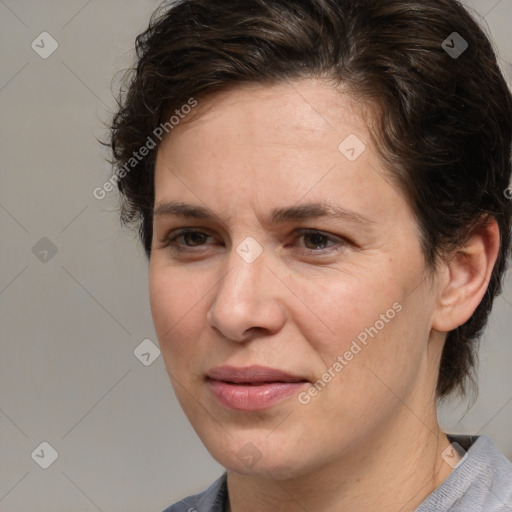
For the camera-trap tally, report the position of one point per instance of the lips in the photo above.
(252, 375)
(252, 388)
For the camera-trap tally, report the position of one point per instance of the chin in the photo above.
(259, 454)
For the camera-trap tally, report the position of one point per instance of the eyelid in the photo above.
(172, 235)
(330, 237)
(168, 239)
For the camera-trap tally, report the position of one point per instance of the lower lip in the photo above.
(244, 397)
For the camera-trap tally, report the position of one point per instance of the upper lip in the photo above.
(251, 374)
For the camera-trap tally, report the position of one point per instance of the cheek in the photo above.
(342, 307)
(366, 333)
(376, 356)
(177, 309)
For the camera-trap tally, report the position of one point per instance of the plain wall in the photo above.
(70, 324)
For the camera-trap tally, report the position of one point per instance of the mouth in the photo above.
(252, 388)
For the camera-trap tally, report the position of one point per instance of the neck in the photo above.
(396, 471)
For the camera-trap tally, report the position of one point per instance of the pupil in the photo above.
(194, 237)
(316, 236)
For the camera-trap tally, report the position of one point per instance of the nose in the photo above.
(247, 300)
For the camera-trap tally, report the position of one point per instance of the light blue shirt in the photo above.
(481, 482)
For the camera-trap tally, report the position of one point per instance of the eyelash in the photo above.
(170, 240)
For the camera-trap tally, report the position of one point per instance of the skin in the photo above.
(370, 439)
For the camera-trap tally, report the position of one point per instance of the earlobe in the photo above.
(466, 276)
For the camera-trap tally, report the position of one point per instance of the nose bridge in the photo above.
(247, 275)
(244, 296)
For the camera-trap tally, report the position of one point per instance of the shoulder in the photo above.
(482, 481)
(212, 499)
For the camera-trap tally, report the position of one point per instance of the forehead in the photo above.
(286, 113)
(255, 144)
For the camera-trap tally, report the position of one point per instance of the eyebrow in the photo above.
(278, 215)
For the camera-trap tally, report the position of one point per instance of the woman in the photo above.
(319, 187)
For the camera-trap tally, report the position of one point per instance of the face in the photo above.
(288, 333)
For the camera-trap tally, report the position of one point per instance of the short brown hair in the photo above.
(445, 120)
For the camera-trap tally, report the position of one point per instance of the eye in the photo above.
(192, 238)
(318, 241)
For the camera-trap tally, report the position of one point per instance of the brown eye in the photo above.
(194, 237)
(319, 242)
(191, 238)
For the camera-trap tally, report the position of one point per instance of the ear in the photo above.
(464, 278)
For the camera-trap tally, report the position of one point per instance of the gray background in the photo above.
(70, 324)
